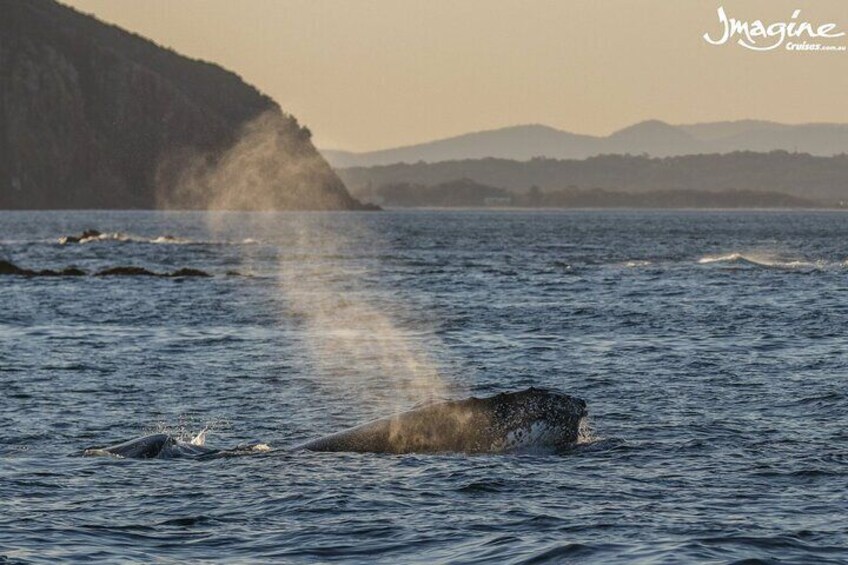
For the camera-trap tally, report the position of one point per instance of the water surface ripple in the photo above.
(710, 347)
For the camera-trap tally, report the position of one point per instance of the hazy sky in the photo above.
(369, 74)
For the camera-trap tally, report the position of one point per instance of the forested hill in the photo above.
(823, 179)
(89, 113)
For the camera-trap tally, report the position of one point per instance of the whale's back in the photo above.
(450, 426)
(527, 419)
(146, 447)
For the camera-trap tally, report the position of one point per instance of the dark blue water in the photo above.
(711, 349)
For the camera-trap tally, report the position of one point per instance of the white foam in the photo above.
(719, 258)
(762, 260)
(168, 239)
(106, 237)
(123, 237)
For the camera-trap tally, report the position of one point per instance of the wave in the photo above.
(94, 236)
(765, 260)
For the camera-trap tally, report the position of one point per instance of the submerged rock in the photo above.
(72, 272)
(142, 272)
(127, 272)
(9, 268)
(185, 272)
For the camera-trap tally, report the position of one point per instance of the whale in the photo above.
(167, 446)
(534, 419)
(530, 420)
(153, 446)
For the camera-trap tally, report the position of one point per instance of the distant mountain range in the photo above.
(653, 137)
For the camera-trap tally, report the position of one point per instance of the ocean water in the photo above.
(710, 347)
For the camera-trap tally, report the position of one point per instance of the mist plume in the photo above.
(272, 165)
(351, 326)
(360, 337)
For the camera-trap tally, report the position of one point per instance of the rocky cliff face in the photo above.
(92, 116)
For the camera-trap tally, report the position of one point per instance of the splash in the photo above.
(183, 430)
(200, 438)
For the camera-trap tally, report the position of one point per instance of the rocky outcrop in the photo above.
(84, 236)
(142, 272)
(92, 116)
(9, 268)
